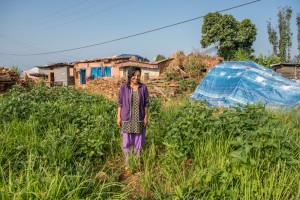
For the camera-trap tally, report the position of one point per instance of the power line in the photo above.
(54, 13)
(12, 60)
(130, 36)
(74, 20)
(32, 48)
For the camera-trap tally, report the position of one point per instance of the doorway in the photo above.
(82, 76)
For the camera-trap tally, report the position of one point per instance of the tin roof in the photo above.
(286, 65)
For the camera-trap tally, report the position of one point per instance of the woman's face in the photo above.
(136, 77)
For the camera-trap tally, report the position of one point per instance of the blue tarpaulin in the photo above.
(238, 83)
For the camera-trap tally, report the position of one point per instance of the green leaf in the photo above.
(293, 162)
(238, 155)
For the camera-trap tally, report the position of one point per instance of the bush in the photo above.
(188, 84)
(266, 60)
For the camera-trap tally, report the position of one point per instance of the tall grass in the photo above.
(62, 143)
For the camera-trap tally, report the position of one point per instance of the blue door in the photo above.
(107, 71)
(82, 76)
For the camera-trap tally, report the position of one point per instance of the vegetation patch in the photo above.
(62, 143)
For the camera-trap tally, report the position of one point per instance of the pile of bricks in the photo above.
(161, 88)
(7, 78)
(8, 74)
(109, 87)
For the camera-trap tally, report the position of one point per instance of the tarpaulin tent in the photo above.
(36, 72)
(238, 83)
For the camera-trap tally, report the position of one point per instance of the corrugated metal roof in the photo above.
(135, 63)
(286, 64)
(57, 65)
(164, 60)
(138, 56)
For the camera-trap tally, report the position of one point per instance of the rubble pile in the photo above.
(159, 87)
(166, 86)
(180, 62)
(109, 87)
(7, 78)
(8, 74)
(210, 61)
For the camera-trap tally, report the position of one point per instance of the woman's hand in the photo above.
(145, 121)
(146, 117)
(119, 121)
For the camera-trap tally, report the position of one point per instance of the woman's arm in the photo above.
(146, 103)
(119, 121)
(120, 104)
(146, 117)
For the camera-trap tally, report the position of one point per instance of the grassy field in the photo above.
(62, 143)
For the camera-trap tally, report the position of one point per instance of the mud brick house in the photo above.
(116, 66)
(288, 70)
(149, 70)
(59, 74)
(99, 67)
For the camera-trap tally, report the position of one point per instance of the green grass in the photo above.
(55, 143)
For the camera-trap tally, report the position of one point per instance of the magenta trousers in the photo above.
(137, 140)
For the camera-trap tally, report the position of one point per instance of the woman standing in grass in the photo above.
(132, 118)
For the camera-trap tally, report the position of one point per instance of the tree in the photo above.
(266, 61)
(273, 39)
(284, 42)
(228, 33)
(241, 55)
(159, 57)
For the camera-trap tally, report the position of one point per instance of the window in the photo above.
(71, 71)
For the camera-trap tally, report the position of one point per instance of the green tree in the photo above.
(273, 38)
(229, 34)
(246, 35)
(284, 41)
(159, 57)
(266, 61)
(241, 55)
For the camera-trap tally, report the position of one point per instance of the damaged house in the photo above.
(288, 70)
(116, 66)
(59, 74)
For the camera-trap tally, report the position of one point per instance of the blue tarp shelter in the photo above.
(232, 83)
(138, 56)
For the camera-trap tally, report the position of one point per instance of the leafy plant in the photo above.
(56, 140)
(187, 84)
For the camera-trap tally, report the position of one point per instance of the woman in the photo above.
(132, 117)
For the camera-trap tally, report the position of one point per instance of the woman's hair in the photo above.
(131, 72)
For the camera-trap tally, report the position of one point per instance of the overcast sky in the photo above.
(40, 26)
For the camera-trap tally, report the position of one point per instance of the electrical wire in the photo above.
(51, 14)
(74, 20)
(32, 48)
(129, 36)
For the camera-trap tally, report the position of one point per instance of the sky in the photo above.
(30, 29)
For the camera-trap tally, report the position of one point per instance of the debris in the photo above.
(107, 86)
(7, 78)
